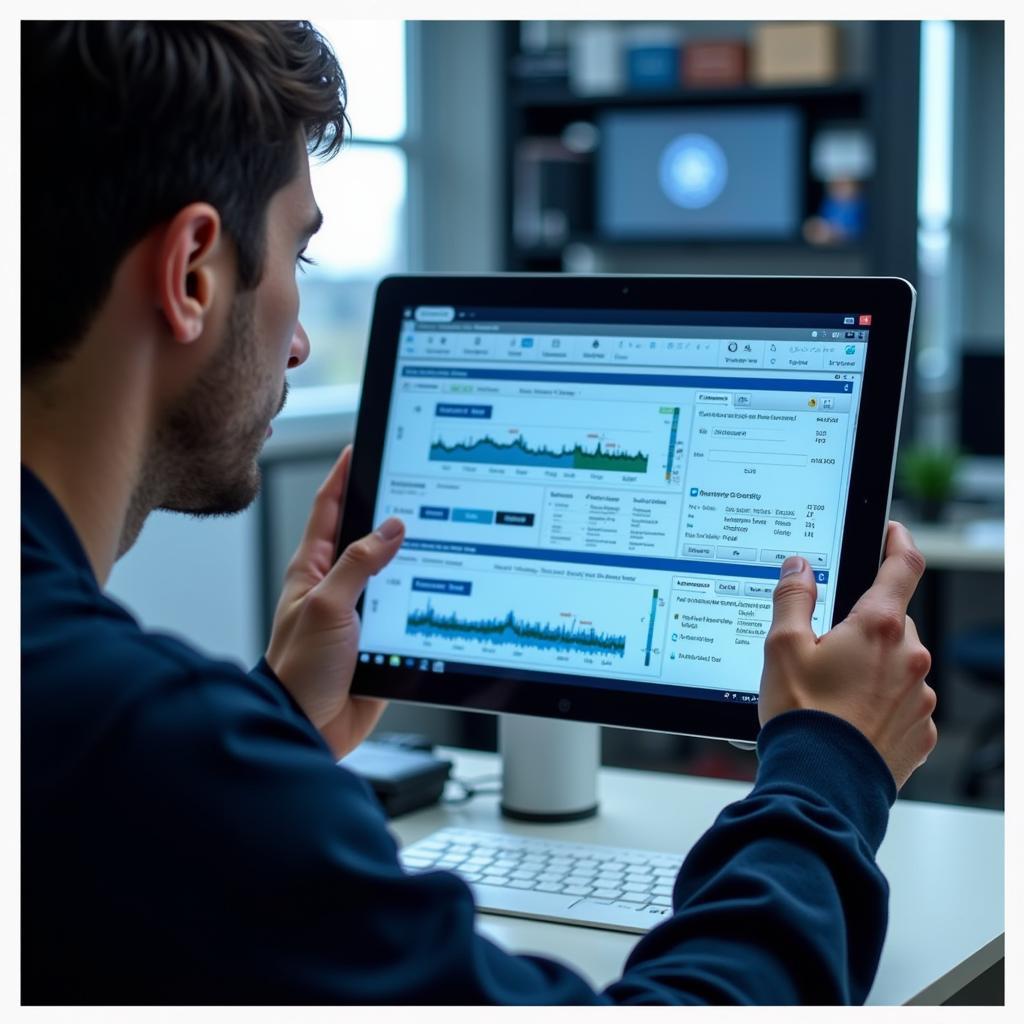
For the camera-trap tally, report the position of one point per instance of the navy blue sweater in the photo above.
(187, 838)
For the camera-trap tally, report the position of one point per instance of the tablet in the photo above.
(600, 477)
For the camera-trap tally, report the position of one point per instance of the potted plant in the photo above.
(926, 475)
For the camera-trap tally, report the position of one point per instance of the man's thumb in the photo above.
(362, 559)
(794, 595)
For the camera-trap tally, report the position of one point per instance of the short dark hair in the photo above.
(125, 123)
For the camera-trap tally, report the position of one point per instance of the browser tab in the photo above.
(435, 314)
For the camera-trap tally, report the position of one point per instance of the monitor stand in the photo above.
(549, 768)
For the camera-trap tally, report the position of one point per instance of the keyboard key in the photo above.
(495, 880)
(577, 890)
(645, 879)
(527, 876)
(579, 877)
(494, 869)
(664, 872)
(548, 887)
(661, 901)
(521, 883)
(662, 890)
(470, 876)
(635, 897)
(550, 876)
(587, 865)
(607, 894)
(634, 887)
(418, 863)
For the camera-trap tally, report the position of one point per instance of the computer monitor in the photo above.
(982, 406)
(700, 174)
(601, 476)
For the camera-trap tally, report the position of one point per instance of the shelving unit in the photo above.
(882, 97)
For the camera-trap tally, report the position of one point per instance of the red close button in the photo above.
(865, 320)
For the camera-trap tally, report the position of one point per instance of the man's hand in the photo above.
(315, 638)
(869, 669)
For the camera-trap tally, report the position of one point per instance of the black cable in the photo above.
(471, 788)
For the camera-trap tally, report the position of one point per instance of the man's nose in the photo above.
(299, 351)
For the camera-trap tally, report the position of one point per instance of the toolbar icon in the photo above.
(864, 320)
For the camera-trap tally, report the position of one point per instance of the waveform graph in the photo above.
(511, 630)
(518, 451)
(603, 625)
(620, 441)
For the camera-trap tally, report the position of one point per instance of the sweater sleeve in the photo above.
(781, 900)
(285, 886)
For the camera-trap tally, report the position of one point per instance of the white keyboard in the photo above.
(571, 883)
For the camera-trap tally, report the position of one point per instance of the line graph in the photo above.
(519, 452)
(516, 631)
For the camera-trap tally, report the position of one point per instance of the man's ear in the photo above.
(187, 275)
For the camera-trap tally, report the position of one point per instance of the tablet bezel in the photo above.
(890, 301)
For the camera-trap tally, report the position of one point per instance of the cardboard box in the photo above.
(795, 53)
(719, 64)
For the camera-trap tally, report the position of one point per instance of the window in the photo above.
(363, 193)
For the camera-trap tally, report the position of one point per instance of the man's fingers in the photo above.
(898, 575)
(323, 519)
(362, 559)
(793, 599)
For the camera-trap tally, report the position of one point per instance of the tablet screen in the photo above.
(610, 495)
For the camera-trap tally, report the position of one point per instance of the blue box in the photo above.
(655, 66)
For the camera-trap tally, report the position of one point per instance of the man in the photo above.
(187, 837)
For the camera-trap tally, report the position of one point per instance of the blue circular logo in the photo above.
(693, 171)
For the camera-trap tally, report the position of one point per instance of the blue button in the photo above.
(433, 512)
(472, 515)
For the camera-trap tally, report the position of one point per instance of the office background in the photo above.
(482, 146)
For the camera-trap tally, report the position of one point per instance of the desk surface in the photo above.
(976, 545)
(944, 866)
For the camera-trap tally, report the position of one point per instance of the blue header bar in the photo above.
(759, 572)
(644, 380)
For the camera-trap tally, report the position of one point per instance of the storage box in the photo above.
(718, 64)
(792, 53)
(652, 57)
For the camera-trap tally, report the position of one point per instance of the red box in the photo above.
(719, 63)
(865, 321)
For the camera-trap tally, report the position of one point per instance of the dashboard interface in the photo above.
(610, 495)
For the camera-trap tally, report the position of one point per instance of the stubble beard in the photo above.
(204, 457)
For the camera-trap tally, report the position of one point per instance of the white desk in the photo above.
(967, 546)
(944, 865)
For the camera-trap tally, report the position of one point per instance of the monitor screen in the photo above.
(609, 495)
(982, 403)
(700, 174)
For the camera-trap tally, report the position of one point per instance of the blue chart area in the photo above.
(516, 631)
